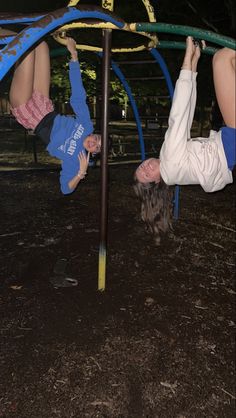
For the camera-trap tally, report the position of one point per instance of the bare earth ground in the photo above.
(158, 343)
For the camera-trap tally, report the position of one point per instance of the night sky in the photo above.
(25, 6)
(213, 15)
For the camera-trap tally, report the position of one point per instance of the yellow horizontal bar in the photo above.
(104, 25)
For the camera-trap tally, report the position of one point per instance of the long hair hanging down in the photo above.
(156, 207)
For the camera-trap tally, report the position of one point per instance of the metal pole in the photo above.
(107, 33)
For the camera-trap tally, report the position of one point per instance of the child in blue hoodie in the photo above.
(68, 138)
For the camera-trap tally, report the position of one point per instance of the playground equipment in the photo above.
(73, 16)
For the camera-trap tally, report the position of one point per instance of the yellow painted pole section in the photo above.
(102, 268)
(150, 11)
(73, 3)
(108, 4)
(152, 19)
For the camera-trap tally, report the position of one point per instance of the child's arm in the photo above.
(72, 173)
(180, 118)
(83, 160)
(78, 93)
(71, 46)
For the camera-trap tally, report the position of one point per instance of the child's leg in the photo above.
(42, 69)
(197, 54)
(189, 52)
(22, 82)
(224, 81)
(31, 73)
(192, 54)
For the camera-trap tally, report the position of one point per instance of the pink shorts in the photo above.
(31, 113)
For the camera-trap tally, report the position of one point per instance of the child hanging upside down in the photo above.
(184, 160)
(68, 138)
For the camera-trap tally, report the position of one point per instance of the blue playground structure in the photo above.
(38, 26)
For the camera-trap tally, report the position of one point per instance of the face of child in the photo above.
(93, 143)
(149, 171)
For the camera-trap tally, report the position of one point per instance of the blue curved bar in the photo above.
(164, 69)
(48, 23)
(170, 87)
(21, 19)
(122, 78)
(4, 41)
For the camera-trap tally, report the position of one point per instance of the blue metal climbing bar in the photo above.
(42, 25)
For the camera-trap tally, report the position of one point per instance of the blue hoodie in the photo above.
(69, 132)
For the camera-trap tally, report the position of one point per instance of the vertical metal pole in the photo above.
(98, 97)
(107, 33)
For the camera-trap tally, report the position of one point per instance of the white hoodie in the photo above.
(185, 160)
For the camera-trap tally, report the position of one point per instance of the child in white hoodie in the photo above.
(184, 160)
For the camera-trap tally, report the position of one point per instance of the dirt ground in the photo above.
(158, 343)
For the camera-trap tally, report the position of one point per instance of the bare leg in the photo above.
(196, 55)
(192, 55)
(189, 52)
(224, 80)
(42, 69)
(23, 80)
(31, 73)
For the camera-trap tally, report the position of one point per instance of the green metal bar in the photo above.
(187, 30)
(182, 45)
(57, 52)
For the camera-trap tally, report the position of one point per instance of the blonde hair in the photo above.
(156, 207)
